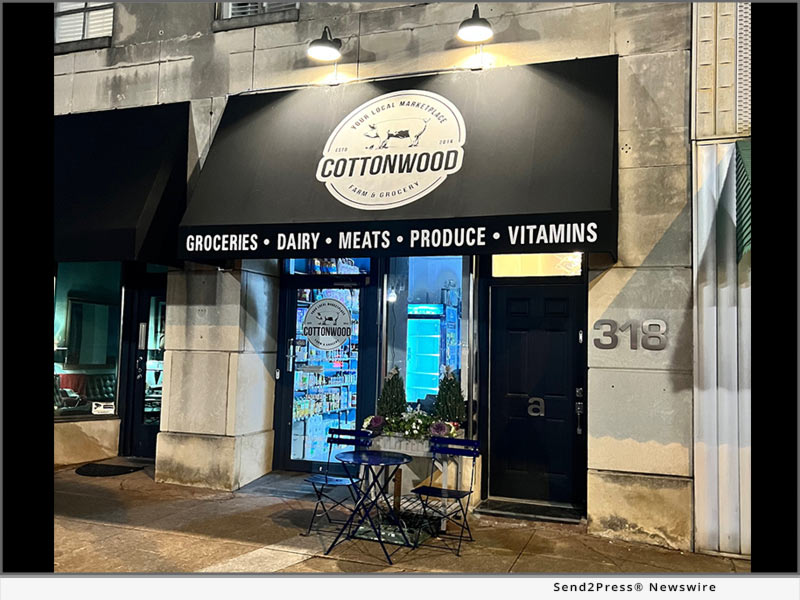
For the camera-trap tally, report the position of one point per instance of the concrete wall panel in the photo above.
(84, 441)
(640, 421)
(641, 27)
(253, 456)
(251, 384)
(64, 63)
(654, 91)
(199, 67)
(117, 57)
(199, 138)
(260, 330)
(203, 310)
(135, 23)
(62, 94)
(198, 392)
(625, 294)
(290, 66)
(206, 461)
(552, 35)
(174, 83)
(408, 51)
(641, 508)
(303, 31)
(654, 147)
(655, 225)
(541, 36)
(115, 88)
(165, 390)
(325, 10)
(240, 72)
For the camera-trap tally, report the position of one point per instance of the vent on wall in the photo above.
(743, 68)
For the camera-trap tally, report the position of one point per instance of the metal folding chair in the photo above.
(446, 448)
(323, 483)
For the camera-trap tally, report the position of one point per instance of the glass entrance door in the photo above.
(145, 411)
(142, 362)
(323, 364)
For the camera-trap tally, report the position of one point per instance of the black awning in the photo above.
(518, 159)
(120, 183)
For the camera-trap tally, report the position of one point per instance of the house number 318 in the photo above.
(653, 332)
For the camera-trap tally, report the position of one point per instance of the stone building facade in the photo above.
(647, 456)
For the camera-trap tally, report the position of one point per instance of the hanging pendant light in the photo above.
(325, 48)
(475, 29)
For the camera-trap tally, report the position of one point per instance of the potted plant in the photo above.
(450, 405)
(404, 429)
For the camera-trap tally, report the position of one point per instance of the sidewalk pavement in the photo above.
(129, 523)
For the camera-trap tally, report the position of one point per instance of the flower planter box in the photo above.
(394, 442)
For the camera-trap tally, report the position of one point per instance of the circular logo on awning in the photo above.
(393, 150)
(327, 324)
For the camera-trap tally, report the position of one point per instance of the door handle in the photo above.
(142, 336)
(579, 406)
(290, 356)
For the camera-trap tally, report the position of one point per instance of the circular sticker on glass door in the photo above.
(327, 324)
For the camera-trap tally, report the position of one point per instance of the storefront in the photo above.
(432, 224)
(577, 183)
(116, 217)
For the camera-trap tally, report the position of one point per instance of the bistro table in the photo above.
(380, 466)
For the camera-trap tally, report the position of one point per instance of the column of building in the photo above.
(219, 363)
(220, 357)
(640, 308)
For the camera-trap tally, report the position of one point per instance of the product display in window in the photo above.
(327, 266)
(425, 306)
(325, 381)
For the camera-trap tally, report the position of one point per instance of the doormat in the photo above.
(101, 470)
(528, 511)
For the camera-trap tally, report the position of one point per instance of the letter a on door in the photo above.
(536, 407)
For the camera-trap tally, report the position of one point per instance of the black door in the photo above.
(146, 327)
(322, 386)
(536, 378)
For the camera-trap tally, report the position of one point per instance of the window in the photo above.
(327, 266)
(537, 265)
(231, 10)
(86, 324)
(236, 15)
(75, 21)
(428, 315)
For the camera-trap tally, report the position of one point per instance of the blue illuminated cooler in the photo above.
(432, 343)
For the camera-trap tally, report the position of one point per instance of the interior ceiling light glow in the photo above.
(475, 29)
(325, 48)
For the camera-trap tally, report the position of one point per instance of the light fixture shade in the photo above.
(325, 48)
(475, 29)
